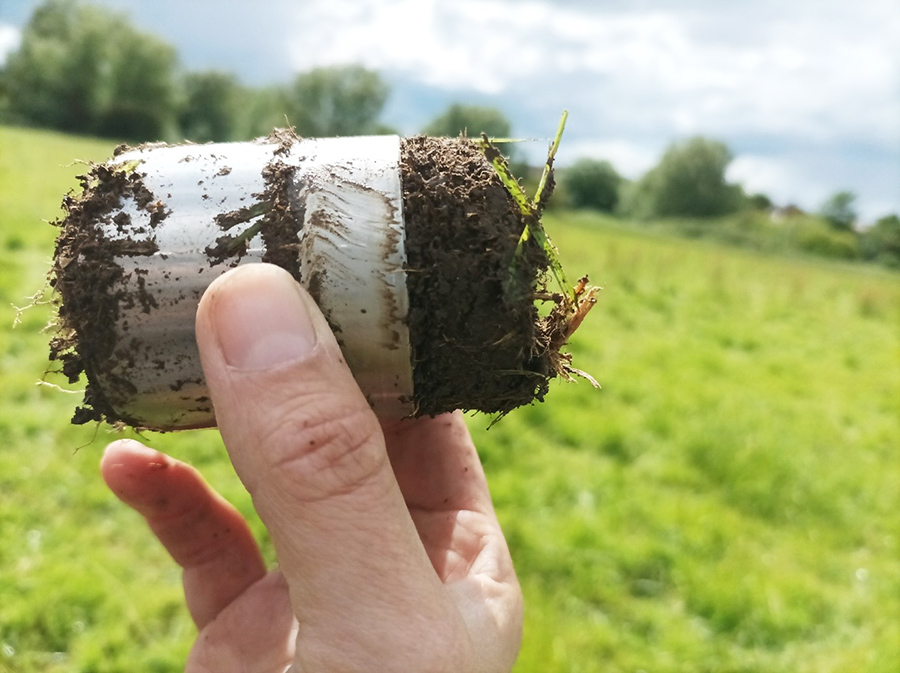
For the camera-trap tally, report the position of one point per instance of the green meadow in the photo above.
(729, 501)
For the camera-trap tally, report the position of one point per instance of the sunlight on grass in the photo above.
(729, 501)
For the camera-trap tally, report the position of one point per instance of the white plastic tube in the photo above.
(345, 195)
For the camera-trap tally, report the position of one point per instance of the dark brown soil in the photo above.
(476, 337)
(281, 225)
(84, 273)
(283, 215)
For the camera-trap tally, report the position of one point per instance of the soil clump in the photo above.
(476, 337)
(85, 273)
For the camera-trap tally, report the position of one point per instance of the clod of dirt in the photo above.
(475, 344)
(85, 271)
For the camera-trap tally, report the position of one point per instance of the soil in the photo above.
(282, 215)
(84, 274)
(477, 340)
(281, 225)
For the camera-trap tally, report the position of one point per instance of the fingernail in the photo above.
(261, 321)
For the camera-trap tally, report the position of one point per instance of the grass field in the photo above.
(729, 501)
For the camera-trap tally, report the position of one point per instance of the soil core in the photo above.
(476, 339)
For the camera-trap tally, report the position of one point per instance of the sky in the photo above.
(805, 93)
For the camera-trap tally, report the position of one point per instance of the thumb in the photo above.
(311, 453)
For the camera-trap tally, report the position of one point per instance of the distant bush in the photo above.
(756, 230)
(807, 233)
(816, 236)
(838, 210)
(760, 202)
(210, 108)
(633, 202)
(473, 120)
(83, 69)
(689, 181)
(260, 111)
(338, 101)
(881, 241)
(590, 183)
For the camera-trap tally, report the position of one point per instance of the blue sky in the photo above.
(806, 93)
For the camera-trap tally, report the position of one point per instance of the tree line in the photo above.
(687, 192)
(83, 69)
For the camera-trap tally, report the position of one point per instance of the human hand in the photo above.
(390, 555)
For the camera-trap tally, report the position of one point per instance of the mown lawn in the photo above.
(729, 501)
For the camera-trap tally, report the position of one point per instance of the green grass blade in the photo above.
(548, 166)
(536, 230)
(498, 161)
(531, 210)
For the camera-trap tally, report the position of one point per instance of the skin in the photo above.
(390, 557)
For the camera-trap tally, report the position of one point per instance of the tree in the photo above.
(838, 210)
(52, 79)
(143, 104)
(690, 181)
(210, 107)
(590, 183)
(472, 120)
(881, 241)
(259, 111)
(760, 201)
(339, 101)
(81, 68)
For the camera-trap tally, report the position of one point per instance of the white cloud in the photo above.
(806, 92)
(631, 159)
(10, 38)
(813, 69)
(807, 181)
(776, 177)
(768, 77)
(464, 45)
